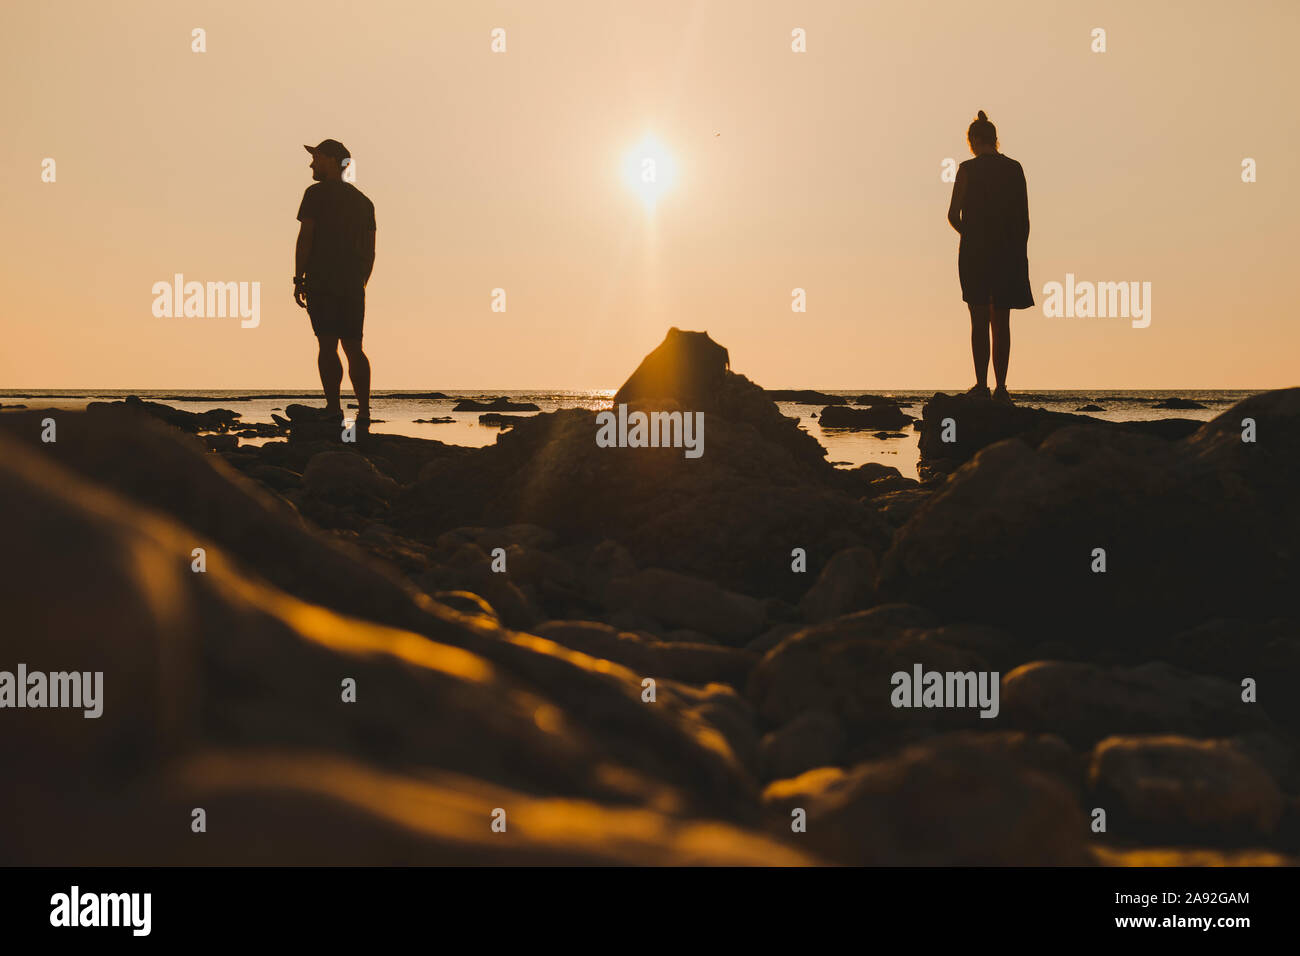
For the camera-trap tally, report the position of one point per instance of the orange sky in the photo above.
(505, 170)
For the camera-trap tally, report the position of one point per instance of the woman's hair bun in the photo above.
(983, 117)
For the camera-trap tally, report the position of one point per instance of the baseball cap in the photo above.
(330, 147)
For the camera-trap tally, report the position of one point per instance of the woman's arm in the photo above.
(1023, 211)
(958, 196)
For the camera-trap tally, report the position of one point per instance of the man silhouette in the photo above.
(332, 264)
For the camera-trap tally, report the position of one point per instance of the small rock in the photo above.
(496, 405)
(877, 416)
(339, 474)
(1178, 787)
(221, 442)
(945, 803)
(847, 583)
(1086, 703)
(813, 739)
(678, 600)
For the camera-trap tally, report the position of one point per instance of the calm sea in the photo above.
(397, 411)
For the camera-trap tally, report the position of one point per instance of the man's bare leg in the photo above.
(331, 371)
(359, 373)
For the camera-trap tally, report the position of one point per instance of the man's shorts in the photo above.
(336, 316)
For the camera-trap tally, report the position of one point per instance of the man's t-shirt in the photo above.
(344, 218)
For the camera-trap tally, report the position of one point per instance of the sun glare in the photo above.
(649, 170)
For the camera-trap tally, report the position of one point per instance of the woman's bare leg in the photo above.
(1000, 321)
(979, 341)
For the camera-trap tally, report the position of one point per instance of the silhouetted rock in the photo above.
(312, 413)
(732, 516)
(500, 607)
(690, 372)
(1090, 408)
(344, 475)
(496, 405)
(497, 420)
(876, 416)
(220, 442)
(1182, 789)
(281, 479)
(845, 585)
(1268, 651)
(260, 430)
(398, 456)
(803, 396)
(858, 481)
(1178, 403)
(884, 486)
(844, 666)
(951, 802)
(974, 423)
(677, 600)
(813, 739)
(688, 367)
(168, 472)
(761, 487)
(213, 419)
(223, 692)
(1085, 703)
(1025, 525)
(896, 507)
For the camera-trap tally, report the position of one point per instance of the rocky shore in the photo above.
(638, 657)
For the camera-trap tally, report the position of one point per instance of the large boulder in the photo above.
(1268, 652)
(680, 601)
(958, 801)
(687, 366)
(1183, 789)
(345, 475)
(691, 372)
(955, 427)
(844, 667)
(1189, 529)
(1085, 703)
(158, 468)
(732, 516)
(212, 419)
(223, 691)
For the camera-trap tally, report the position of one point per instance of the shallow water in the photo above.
(399, 410)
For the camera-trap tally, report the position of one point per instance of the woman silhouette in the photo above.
(990, 208)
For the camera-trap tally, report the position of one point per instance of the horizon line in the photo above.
(570, 388)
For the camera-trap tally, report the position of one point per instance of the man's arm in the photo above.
(958, 196)
(301, 253)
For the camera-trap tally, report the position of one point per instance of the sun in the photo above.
(649, 170)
